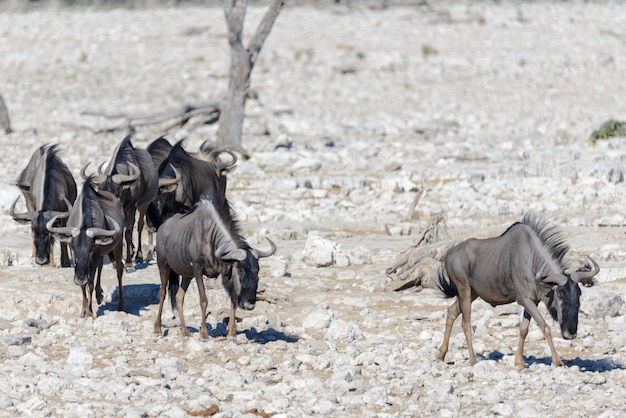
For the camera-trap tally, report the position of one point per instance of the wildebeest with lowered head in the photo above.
(135, 162)
(48, 187)
(93, 229)
(206, 241)
(525, 265)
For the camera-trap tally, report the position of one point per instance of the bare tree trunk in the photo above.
(5, 122)
(242, 62)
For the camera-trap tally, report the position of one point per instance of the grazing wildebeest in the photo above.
(125, 161)
(93, 229)
(525, 265)
(206, 241)
(48, 187)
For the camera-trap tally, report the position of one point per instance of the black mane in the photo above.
(551, 236)
(225, 212)
(56, 179)
(93, 215)
(125, 154)
(199, 175)
(159, 149)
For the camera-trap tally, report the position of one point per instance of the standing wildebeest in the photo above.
(48, 187)
(206, 241)
(126, 161)
(524, 265)
(93, 230)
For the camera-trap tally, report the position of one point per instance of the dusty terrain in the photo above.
(487, 107)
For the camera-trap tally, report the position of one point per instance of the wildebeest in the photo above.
(184, 177)
(93, 229)
(125, 161)
(525, 265)
(206, 241)
(48, 188)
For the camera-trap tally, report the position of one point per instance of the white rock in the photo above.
(318, 251)
(318, 319)
(80, 356)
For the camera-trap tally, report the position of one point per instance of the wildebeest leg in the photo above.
(128, 235)
(83, 311)
(99, 296)
(232, 333)
(65, 258)
(90, 299)
(204, 332)
(180, 300)
(532, 309)
(117, 253)
(465, 305)
(140, 223)
(453, 314)
(51, 257)
(165, 274)
(523, 332)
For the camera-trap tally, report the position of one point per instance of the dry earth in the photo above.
(485, 105)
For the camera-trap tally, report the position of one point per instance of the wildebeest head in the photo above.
(86, 242)
(42, 239)
(89, 228)
(242, 279)
(562, 297)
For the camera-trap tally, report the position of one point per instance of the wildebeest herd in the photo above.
(181, 196)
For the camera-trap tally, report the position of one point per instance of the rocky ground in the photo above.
(485, 107)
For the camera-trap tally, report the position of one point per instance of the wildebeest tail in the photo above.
(172, 288)
(445, 285)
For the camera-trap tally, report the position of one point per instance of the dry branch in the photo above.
(204, 113)
(421, 262)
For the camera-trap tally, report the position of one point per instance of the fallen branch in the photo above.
(205, 113)
(421, 262)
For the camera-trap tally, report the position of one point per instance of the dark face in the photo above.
(110, 186)
(247, 272)
(84, 256)
(564, 303)
(42, 238)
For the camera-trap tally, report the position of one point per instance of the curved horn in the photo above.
(234, 255)
(225, 166)
(165, 183)
(20, 217)
(127, 178)
(586, 277)
(68, 204)
(64, 230)
(100, 168)
(557, 279)
(95, 179)
(262, 254)
(101, 232)
(83, 171)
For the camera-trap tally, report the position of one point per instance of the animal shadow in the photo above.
(263, 337)
(585, 365)
(137, 297)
